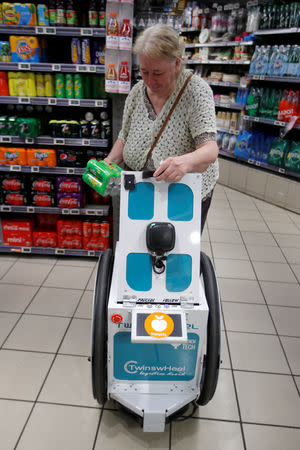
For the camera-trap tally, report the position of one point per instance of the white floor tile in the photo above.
(85, 308)
(267, 271)
(281, 294)
(225, 236)
(69, 382)
(292, 350)
(225, 361)
(27, 274)
(257, 352)
(55, 302)
(244, 214)
(286, 228)
(78, 338)
(207, 434)
(206, 248)
(50, 260)
(271, 438)
(286, 320)
(268, 398)
(7, 322)
(247, 318)
(292, 254)
(234, 290)
(5, 265)
(265, 254)
(252, 225)
(234, 268)
(119, 430)
(60, 428)
(287, 240)
(222, 224)
(23, 375)
(77, 262)
(38, 333)
(91, 283)
(13, 416)
(229, 251)
(15, 298)
(69, 277)
(256, 238)
(296, 270)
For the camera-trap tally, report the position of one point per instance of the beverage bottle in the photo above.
(273, 58)
(52, 12)
(287, 16)
(60, 13)
(282, 16)
(112, 28)
(125, 38)
(293, 62)
(252, 103)
(102, 13)
(283, 107)
(195, 15)
(93, 13)
(71, 14)
(252, 69)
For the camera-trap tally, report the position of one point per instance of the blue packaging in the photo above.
(42, 15)
(98, 52)
(243, 145)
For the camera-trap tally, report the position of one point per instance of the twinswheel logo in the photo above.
(159, 325)
(134, 367)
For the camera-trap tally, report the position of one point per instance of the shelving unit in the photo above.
(50, 251)
(51, 67)
(52, 31)
(53, 101)
(219, 62)
(47, 140)
(86, 211)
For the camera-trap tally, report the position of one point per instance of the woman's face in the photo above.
(159, 75)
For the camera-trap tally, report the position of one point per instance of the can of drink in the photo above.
(60, 85)
(86, 51)
(84, 129)
(105, 230)
(69, 86)
(95, 129)
(105, 129)
(78, 89)
(96, 229)
(76, 51)
(87, 229)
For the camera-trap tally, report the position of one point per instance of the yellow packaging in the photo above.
(40, 85)
(49, 85)
(1, 14)
(30, 84)
(12, 83)
(19, 13)
(21, 87)
(24, 49)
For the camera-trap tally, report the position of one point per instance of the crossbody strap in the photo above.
(167, 118)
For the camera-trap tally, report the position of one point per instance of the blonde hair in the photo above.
(159, 42)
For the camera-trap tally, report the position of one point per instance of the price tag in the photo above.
(52, 101)
(86, 31)
(280, 124)
(81, 68)
(91, 253)
(70, 171)
(73, 102)
(100, 213)
(39, 30)
(35, 169)
(86, 142)
(255, 77)
(227, 83)
(5, 208)
(56, 67)
(60, 251)
(250, 161)
(262, 77)
(245, 117)
(89, 212)
(23, 100)
(92, 69)
(206, 11)
(58, 141)
(30, 209)
(257, 163)
(15, 168)
(50, 30)
(256, 119)
(75, 212)
(29, 140)
(24, 66)
(26, 249)
(65, 211)
(293, 30)
(99, 103)
(5, 139)
(280, 170)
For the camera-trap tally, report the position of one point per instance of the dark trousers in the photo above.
(204, 209)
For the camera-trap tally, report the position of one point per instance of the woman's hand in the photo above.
(172, 169)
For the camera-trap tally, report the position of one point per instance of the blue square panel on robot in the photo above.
(139, 271)
(178, 272)
(180, 202)
(141, 202)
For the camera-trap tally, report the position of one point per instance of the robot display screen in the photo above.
(158, 326)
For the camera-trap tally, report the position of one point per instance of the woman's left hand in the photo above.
(171, 169)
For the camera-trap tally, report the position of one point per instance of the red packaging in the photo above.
(42, 199)
(17, 232)
(69, 227)
(42, 184)
(69, 200)
(44, 238)
(12, 182)
(70, 242)
(96, 229)
(48, 221)
(87, 228)
(105, 230)
(15, 198)
(97, 244)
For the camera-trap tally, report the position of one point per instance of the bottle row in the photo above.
(227, 120)
(238, 97)
(49, 231)
(48, 157)
(55, 13)
(278, 61)
(277, 15)
(60, 85)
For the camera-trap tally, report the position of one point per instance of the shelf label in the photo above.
(35, 169)
(100, 213)
(60, 251)
(86, 142)
(89, 212)
(255, 77)
(227, 83)
(293, 30)
(92, 69)
(99, 103)
(58, 141)
(70, 171)
(91, 253)
(29, 140)
(86, 31)
(280, 170)
(81, 68)
(25, 100)
(262, 77)
(5, 208)
(52, 101)
(24, 66)
(245, 117)
(56, 67)
(256, 119)
(50, 30)
(280, 124)
(257, 163)
(15, 168)
(65, 211)
(75, 212)
(73, 102)
(30, 209)
(5, 139)
(40, 30)
(26, 249)
(250, 161)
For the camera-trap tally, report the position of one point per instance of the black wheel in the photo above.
(99, 327)
(213, 340)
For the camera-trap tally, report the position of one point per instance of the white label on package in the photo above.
(125, 43)
(112, 42)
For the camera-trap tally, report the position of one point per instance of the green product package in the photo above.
(60, 85)
(87, 86)
(69, 86)
(3, 125)
(78, 86)
(27, 127)
(292, 158)
(98, 87)
(277, 153)
(102, 177)
(11, 125)
(253, 101)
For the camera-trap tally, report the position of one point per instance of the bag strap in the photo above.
(167, 118)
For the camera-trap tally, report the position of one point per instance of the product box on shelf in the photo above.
(24, 49)
(71, 242)
(69, 200)
(68, 157)
(41, 157)
(19, 13)
(42, 183)
(15, 198)
(95, 235)
(43, 238)
(13, 156)
(12, 182)
(69, 184)
(17, 232)
(67, 227)
(43, 199)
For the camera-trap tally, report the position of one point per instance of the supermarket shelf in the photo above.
(268, 121)
(224, 83)
(229, 105)
(83, 103)
(49, 251)
(43, 169)
(277, 31)
(226, 130)
(213, 61)
(219, 44)
(52, 67)
(52, 31)
(101, 210)
(275, 79)
(47, 140)
(261, 165)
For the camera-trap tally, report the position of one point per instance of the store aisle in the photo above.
(45, 319)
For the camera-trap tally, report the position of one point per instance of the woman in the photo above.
(187, 143)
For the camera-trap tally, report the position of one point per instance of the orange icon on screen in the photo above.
(159, 325)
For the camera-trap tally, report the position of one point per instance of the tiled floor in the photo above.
(45, 318)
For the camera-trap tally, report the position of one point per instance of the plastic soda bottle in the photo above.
(112, 28)
(60, 13)
(93, 14)
(71, 14)
(52, 12)
(102, 13)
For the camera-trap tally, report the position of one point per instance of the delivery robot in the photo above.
(155, 326)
